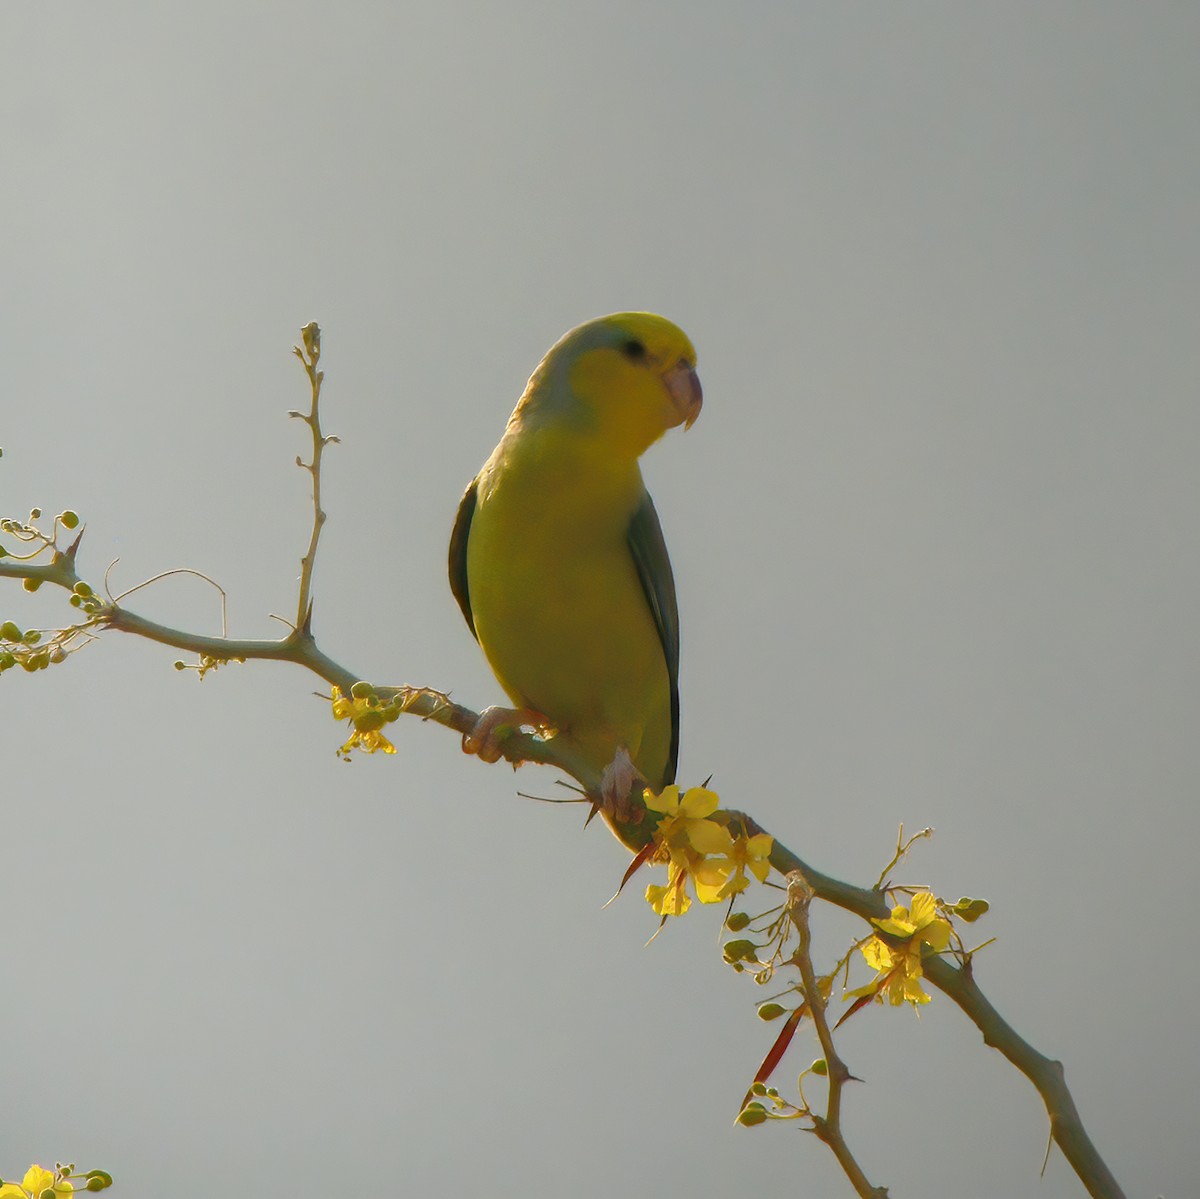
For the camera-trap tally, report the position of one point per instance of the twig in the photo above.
(828, 1127)
(309, 356)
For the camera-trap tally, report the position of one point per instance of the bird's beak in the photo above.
(683, 384)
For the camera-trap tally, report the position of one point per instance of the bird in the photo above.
(557, 557)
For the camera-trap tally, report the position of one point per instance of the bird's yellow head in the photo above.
(625, 378)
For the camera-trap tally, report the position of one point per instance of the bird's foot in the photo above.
(496, 725)
(616, 784)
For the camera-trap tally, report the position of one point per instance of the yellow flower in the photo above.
(368, 719)
(711, 877)
(685, 829)
(748, 853)
(922, 921)
(898, 967)
(35, 1183)
(673, 899)
(691, 846)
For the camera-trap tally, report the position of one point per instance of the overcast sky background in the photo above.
(934, 538)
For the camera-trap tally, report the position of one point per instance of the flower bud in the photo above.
(970, 909)
(69, 519)
(738, 951)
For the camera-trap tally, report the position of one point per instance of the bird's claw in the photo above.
(494, 726)
(616, 784)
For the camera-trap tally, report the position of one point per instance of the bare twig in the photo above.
(309, 356)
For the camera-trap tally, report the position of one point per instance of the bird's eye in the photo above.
(634, 349)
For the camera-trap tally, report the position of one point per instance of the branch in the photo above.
(630, 825)
(958, 983)
(829, 1128)
(1046, 1074)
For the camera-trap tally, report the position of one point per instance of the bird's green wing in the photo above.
(649, 552)
(458, 555)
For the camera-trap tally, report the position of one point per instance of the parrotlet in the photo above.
(558, 561)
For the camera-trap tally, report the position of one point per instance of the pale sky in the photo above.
(934, 537)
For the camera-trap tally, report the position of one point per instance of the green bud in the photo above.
(69, 519)
(58, 654)
(970, 909)
(32, 637)
(82, 589)
(76, 602)
(737, 921)
(739, 951)
(31, 584)
(362, 690)
(754, 1114)
(181, 666)
(6, 660)
(35, 513)
(770, 1011)
(820, 1066)
(10, 632)
(97, 1180)
(758, 1088)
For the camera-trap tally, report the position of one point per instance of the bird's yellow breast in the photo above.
(559, 609)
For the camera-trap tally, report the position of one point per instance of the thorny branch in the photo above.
(300, 648)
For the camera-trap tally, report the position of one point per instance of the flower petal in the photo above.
(879, 954)
(699, 802)
(666, 802)
(923, 909)
(709, 837)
